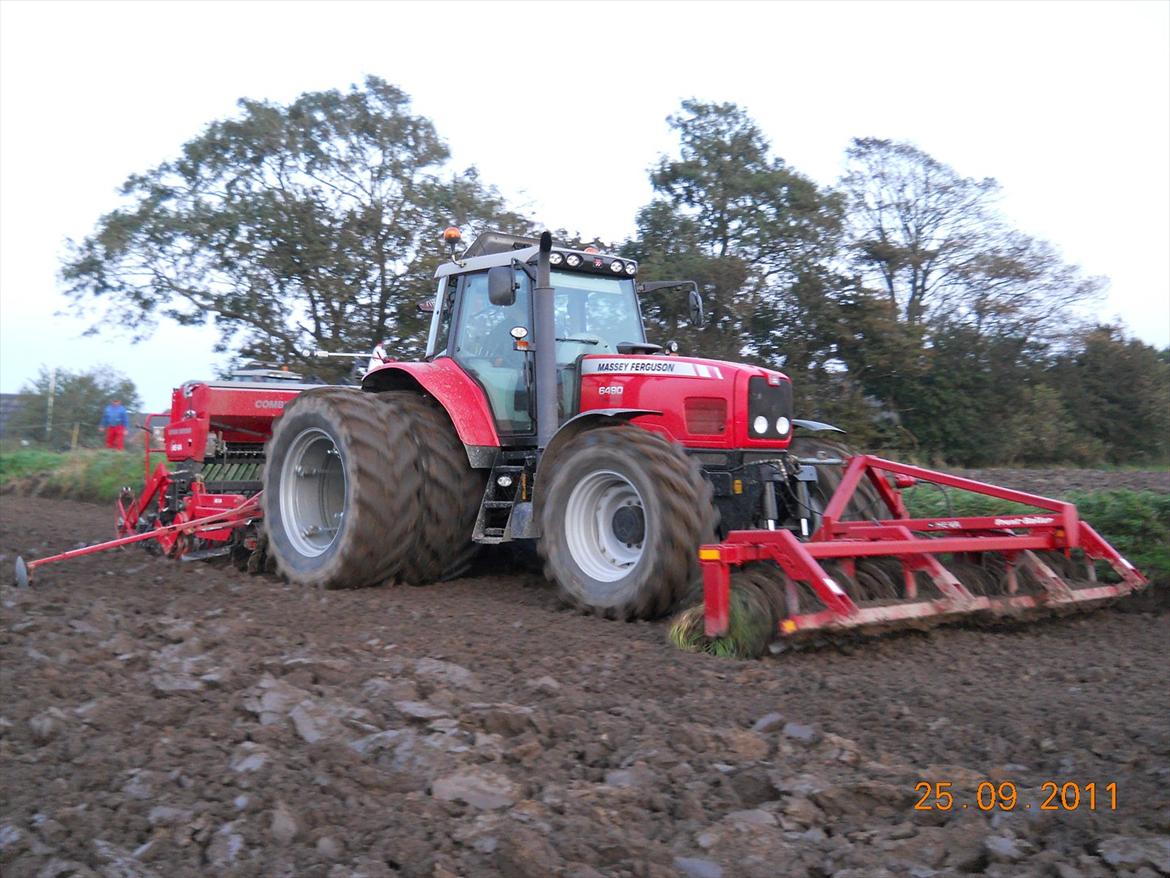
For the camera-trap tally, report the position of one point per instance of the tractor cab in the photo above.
(484, 320)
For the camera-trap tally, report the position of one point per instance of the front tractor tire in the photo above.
(623, 516)
(350, 498)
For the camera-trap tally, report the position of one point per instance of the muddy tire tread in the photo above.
(688, 519)
(385, 490)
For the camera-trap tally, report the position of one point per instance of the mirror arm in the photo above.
(526, 268)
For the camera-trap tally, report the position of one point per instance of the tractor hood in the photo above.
(703, 403)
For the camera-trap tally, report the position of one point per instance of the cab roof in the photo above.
(490, 249)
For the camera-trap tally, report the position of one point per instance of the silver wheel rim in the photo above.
(589, 532)
(312, 492)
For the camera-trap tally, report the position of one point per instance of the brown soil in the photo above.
(165, 719)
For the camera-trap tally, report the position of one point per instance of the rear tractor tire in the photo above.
(361, 488)
(623, 516)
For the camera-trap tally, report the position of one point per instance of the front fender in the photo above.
(816, 426)
(576, 425)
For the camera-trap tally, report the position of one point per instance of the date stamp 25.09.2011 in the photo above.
(1006, 796)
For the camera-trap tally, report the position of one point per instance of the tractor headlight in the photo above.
(616, 266)
(572, 260)
(760, 425)
(631, 269)
(783, 425)
(555, 259)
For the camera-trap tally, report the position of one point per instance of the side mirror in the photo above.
(696, 308)
(502, 285)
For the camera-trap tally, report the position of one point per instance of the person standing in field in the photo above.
(115, 420)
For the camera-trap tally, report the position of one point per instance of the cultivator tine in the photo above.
(1056, 586)
(991, 565)
(20, 574)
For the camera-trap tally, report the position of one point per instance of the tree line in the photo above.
(902, 303)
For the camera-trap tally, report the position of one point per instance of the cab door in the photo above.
(484, 346)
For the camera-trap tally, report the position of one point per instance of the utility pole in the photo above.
(49, 409)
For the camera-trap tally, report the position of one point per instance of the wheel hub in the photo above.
(629, 524)
(605, 525)
(312, 492)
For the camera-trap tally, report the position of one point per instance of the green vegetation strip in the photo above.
(94, 476)
(750, 626)
(1136, 523)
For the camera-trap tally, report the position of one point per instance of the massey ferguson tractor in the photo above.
(541, 412)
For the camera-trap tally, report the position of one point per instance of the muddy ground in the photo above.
(164, 719)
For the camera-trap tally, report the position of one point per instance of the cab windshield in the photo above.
(594, 315)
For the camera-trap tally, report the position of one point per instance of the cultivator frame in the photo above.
(214, 525)
(917, 544)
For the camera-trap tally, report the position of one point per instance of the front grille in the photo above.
(773, 401)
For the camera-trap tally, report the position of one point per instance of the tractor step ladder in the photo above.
(495, 512)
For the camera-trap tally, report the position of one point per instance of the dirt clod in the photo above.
(187, 720)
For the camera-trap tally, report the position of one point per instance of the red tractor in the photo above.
(541, 412)
(518, 426)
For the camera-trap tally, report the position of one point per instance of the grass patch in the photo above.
(931, 501)
(1136, 523)
(749, 629)
(28, 462)
(94, 476)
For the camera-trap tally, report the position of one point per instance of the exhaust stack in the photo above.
(544, 316)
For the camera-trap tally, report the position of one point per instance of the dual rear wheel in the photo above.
(365, 488)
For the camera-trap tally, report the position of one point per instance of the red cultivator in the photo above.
(900, 570)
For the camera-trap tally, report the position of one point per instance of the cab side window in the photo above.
(484, 347)
(445, 302)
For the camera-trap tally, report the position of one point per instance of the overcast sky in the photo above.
(562, 106)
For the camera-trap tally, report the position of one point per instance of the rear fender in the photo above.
(455, 391)
(574, 427)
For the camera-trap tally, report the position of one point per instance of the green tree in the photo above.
(934, 244)
(311, 225)
(1116, 390)
(755, 234)
(78, 399)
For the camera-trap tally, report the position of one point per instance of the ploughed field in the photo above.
(173, 719)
